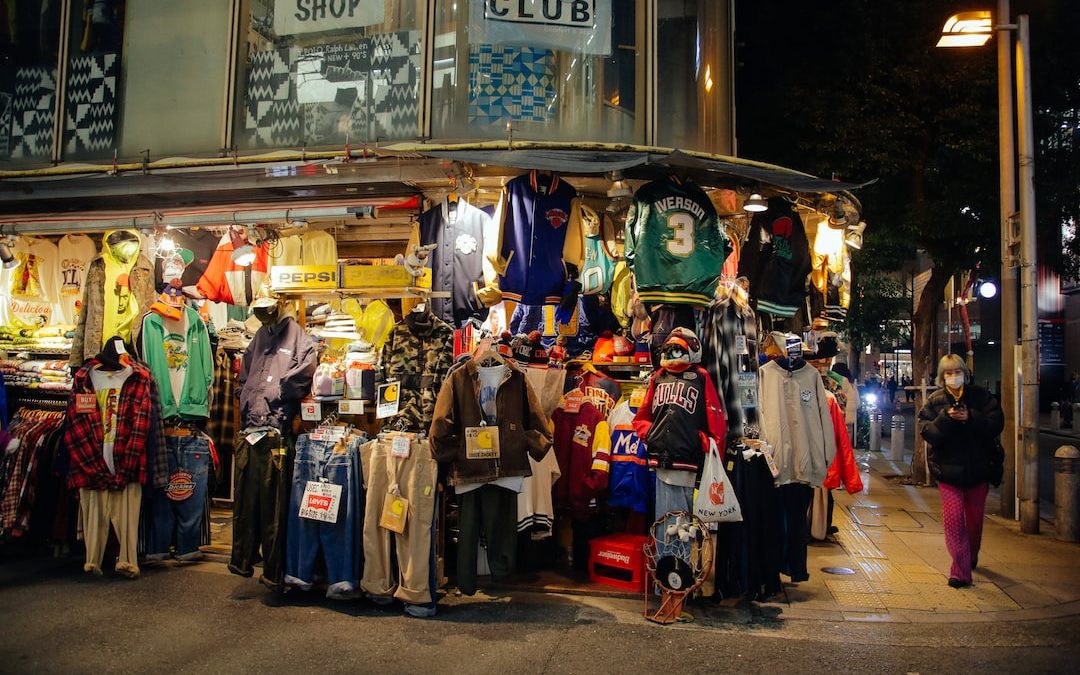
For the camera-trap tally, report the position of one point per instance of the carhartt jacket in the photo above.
(275, 373)
(523, 430)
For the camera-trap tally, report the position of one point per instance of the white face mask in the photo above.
(954, 381)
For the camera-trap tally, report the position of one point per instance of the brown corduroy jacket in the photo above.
(523, 430)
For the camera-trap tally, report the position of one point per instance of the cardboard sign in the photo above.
(740, 345)
(573, 401)
(85, 403)
(320, 502)
(637, 397)
(395, 513)
(481, 442)
(389, 400)
(747, 386)
(292, 277)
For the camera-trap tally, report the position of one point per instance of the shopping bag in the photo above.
(716, 501)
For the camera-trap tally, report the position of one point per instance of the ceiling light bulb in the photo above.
(7, 257)
(755, 203)
(243, 253)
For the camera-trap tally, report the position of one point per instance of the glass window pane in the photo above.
(693, 87)
(29, 44)
(329, 72)
(567, 71)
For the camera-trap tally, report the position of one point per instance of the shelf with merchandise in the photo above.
(324, 294)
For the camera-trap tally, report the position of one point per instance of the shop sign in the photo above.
(582, 26)
(292, 17)
(303, 277)
(382, 276)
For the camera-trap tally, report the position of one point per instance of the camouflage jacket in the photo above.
(418, 353)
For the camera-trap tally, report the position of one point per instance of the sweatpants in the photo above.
(120, 508)
(260, 504)
(794, 503)
(962, 519)
(415, 477)
(492, 509)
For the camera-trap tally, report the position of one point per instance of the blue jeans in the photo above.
(670, 498)
(339, 542)
(177, 512)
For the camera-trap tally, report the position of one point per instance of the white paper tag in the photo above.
(254, 437)
(747, 386)
(400, 447)
(350, 407)
(269, 378)
(389, 400)
(773, 469)
(311, 411)
(740, 345)
(320, 502)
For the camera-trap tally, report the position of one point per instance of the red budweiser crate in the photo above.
(618, 560)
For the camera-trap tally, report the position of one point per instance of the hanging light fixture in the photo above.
(755, 203)
(243, 253)
(838, 216)
(7, 257)
(619, 187)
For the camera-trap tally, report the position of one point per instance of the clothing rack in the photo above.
(39, 404)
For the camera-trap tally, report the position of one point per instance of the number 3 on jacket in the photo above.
(682, 238)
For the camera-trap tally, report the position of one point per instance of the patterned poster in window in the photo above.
(510, 84)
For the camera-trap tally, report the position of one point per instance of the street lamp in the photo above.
(976, 29)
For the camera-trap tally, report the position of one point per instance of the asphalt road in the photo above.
(201, 619)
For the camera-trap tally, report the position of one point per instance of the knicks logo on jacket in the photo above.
(557, 217)
(680, 394)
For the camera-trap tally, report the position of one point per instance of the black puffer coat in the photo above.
(963, 453)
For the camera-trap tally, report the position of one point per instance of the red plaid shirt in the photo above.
(85, 436)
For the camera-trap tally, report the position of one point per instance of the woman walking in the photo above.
(962, 422)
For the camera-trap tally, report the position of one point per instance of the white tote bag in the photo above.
(716, 501)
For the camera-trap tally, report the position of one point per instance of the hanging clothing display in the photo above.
(411, 482)
(630, 483)
(582, 444)
(226, 281)
(27, 443)
(263, 469)
(119, 287)
(418, 355)
(796, 421)
(674, 243)
(33, 286)
(275, 373)
(458, 230)
(537, 218)
(178, 510)
(75, 252)
(776, 260)
(598, 263)
(680, 413)
(317, 247)
(178, 353)
(730, 354)
(327, 469)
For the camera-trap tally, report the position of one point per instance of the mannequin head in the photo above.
(675, 355)
(266, 312)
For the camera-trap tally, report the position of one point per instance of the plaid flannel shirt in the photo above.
(85, 436)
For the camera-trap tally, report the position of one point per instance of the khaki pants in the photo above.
(99, 508)
(416, 476)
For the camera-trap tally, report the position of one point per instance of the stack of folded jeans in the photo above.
(335, 462)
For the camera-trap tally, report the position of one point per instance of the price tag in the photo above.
(320, 502)
(85, 403)
(311, 411)
(389, 400)
(573, 401)
(395, 513)
(350, 407)
(400, 447)
(637, 397)
(481, 442)
(254, 437)
(773, 469)
(794, 347)
(740, 345)
(747, 386)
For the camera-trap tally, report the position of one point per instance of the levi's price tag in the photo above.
(572, 401)
(320, 501)
(85, 403)
(747, 386)
(311, 411)
(395, 513)
(740, 345)
(389, 400)
(481, 442)
(400, 447)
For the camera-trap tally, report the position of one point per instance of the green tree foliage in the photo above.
(880, 312)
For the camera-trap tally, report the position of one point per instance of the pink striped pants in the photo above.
(962, 518)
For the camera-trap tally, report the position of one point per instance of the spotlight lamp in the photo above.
(7, 256)
(854, 237)
(755, 203)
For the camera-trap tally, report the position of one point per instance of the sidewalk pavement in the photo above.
(890, 536)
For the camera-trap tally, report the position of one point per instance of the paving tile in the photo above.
(925, 577)
(866, 600)
(1062, 592)
(874, 617)
(913, 601)
(990, 598)
(1029, 595)
(855, 586)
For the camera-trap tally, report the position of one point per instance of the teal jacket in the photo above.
(195, 396)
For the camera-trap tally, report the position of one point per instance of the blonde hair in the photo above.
(951, 362)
